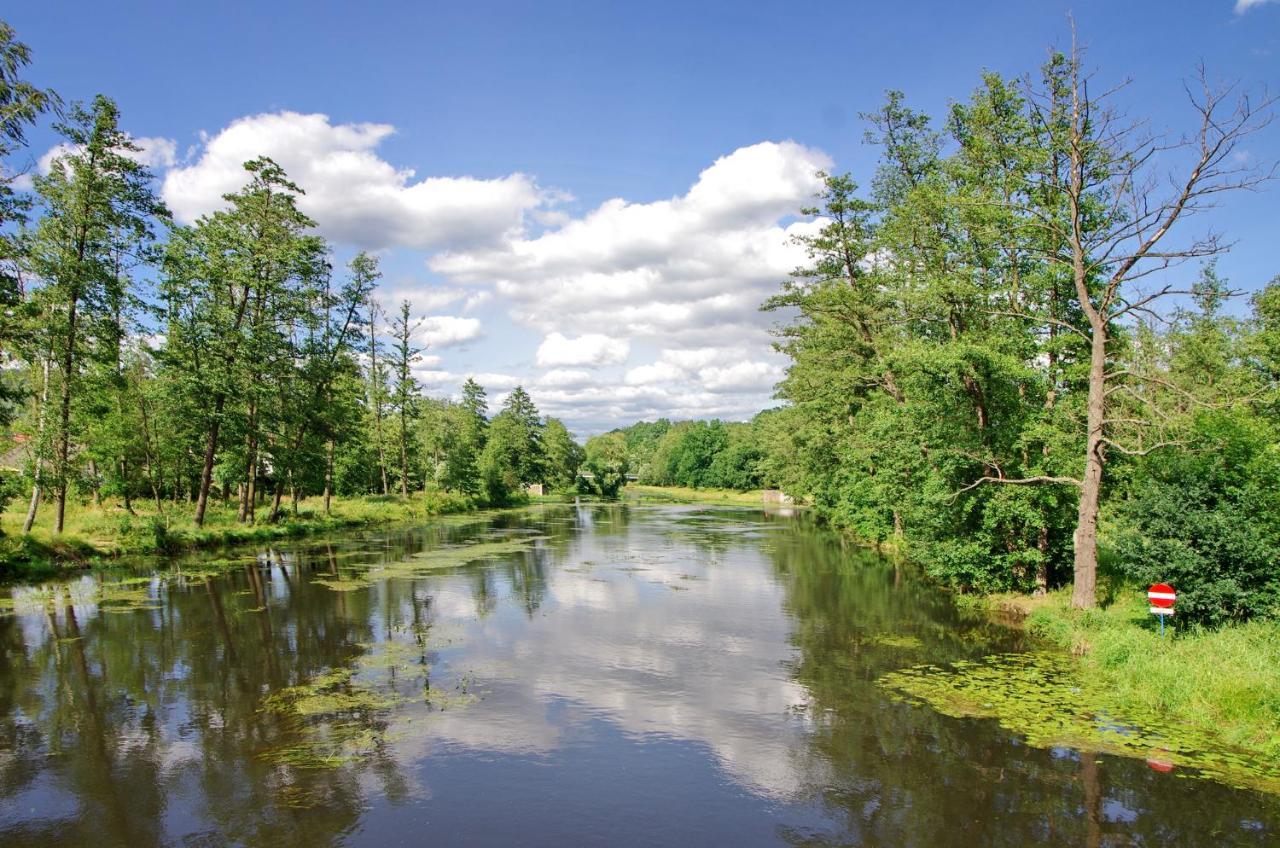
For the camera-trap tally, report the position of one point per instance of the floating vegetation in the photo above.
(895, 640)
(343, 715)
(125, 595)
(427, 562)
(1043, 698)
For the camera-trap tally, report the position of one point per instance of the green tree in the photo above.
(563, 455)
(404, 393)
(21, 105)
(462, 458)
(236, 284)
(513, 455)
(95, 201)
(606, 463)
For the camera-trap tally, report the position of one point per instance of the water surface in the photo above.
(602, 675)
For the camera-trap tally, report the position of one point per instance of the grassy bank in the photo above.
(95, 535)
(683, 494)
(1224, 682)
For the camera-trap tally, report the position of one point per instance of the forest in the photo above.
(1012, 356)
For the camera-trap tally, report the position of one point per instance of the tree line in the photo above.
(990, 368)
(227, 361)
(990, 363)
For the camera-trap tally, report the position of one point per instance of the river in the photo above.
(596, 675)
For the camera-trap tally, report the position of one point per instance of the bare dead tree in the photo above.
(1113, 215)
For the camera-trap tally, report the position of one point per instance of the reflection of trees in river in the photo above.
(139, 727)
(149, 719)
(891, 774)
(128, 727)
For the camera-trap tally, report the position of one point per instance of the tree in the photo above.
(378, 397)
(513, 454)
(405, 389)
(235, 285)
(21, 105)
(1114, 233)
(97, 199)
(462, 469)
(328, 371)
(606, 464)
(564, 456)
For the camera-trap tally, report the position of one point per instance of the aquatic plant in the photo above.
(1044, 698)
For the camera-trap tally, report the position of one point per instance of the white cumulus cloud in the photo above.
(439, 331)
(566, 378)
(741, 377)
(354, 195)
(588, 349)
(694, 266)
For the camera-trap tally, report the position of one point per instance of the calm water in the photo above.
(623, 675)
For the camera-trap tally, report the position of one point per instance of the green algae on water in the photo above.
(427, 562)
(896, 640)
(1043, 698)
(342, 715)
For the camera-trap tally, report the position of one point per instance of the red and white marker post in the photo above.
(1162, 598)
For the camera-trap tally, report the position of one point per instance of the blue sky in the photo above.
(601, 191)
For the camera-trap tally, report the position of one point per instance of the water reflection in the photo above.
(644, 675)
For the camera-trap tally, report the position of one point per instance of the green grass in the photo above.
(93, 535)
(684, 494)
(1224, 682)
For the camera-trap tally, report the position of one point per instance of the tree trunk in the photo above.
(93, 477)
(404, 457)
(64, 419)
(1084, 593)
(124, 486)
(251, 470)
(275, 502)
(210, 449)
(149, 457)
(376, 387)
(328, 475)
(38, 469)
(1042, 567)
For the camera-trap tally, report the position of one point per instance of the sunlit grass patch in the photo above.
(683, 494)
(92, 534)
(1225, 682)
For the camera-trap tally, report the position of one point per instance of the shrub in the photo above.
(1207, 521)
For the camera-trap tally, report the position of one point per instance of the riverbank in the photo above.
(96, 535)
(1225, 684)
(684, 494)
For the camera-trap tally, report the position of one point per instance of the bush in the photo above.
(1207, 521)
